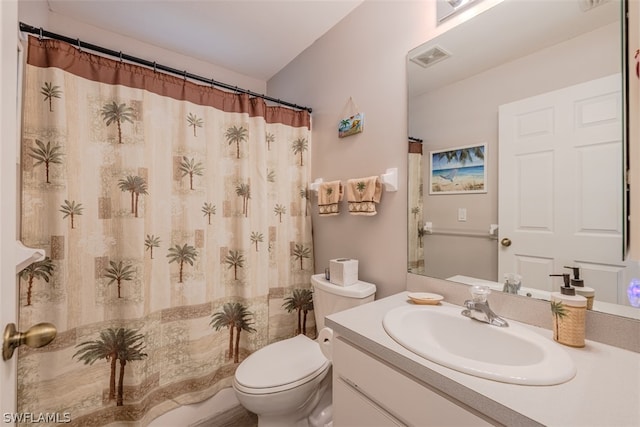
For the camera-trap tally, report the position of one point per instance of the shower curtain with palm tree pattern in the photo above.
(175, 222)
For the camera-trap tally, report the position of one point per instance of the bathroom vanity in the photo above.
(369, 392)
(379, 382)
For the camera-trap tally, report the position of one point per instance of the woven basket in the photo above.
(569, 329)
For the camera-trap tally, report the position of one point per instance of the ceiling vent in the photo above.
(429, 57)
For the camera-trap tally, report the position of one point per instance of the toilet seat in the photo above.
(281, 366)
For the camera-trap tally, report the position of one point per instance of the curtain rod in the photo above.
(151, 64)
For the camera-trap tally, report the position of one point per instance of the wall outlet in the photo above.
(462, 214)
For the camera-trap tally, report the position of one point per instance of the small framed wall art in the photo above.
(351, 125)
(459, 170)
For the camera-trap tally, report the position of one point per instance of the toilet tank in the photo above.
(329, 298)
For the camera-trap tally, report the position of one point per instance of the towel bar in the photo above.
(389, 179)
(492, 234)
(315, 185)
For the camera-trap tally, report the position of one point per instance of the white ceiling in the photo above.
(256, 38)
(503, 33)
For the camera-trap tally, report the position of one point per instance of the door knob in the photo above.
(505, 242)
(35, 337)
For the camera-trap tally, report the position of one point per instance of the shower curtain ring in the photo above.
(154, 66)
(185, 75)
(40, 36)
(121, 56)
(79, 45)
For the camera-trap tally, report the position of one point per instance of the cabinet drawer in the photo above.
(404, 398)
(355, 410)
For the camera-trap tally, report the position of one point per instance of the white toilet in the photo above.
(288, 383)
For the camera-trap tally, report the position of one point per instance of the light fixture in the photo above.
(586, 5)
(457, 3)
(446, 8)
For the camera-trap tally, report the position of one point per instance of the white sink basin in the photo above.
(513, 354)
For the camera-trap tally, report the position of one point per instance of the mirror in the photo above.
(484, 87)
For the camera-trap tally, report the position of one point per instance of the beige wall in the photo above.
(363, 57)
(36, 13)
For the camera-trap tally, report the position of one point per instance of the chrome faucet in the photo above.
(477, 307)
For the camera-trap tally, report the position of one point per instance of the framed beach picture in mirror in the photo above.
(459, 170)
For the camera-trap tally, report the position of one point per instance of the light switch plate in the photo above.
(462, 214)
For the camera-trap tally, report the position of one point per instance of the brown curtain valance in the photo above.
(58, 54)
(415, 147)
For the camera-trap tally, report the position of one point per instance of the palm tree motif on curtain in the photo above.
(151, 242)
(236, 134)
(118, 113)
(194, 122)
(299, 146)
(37, 270)
(301, 253)
(244, 191)
(271, 176)
(136, 185)
(256, 238)
(50, 91)
(208, 209)
(191, 168)
(186, 253)
(269, 137)
(415, 211)
(46, 155)
(71, 209)
(304, 195)
(302, 302)
(233, 316)
(559, 312)
(279, 211)
(361, 186)
(235, 260)
(119, 272)
(131, 351)
(121, 344)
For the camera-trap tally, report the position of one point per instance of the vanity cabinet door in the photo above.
(396, 396)
(355, 410)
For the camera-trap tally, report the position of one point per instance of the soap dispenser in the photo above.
(569, 314)
(581, 289)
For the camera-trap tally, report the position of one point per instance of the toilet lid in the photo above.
(284, 362)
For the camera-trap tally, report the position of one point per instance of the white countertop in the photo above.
(605, 391)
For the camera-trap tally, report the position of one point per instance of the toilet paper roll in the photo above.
(325, 339)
